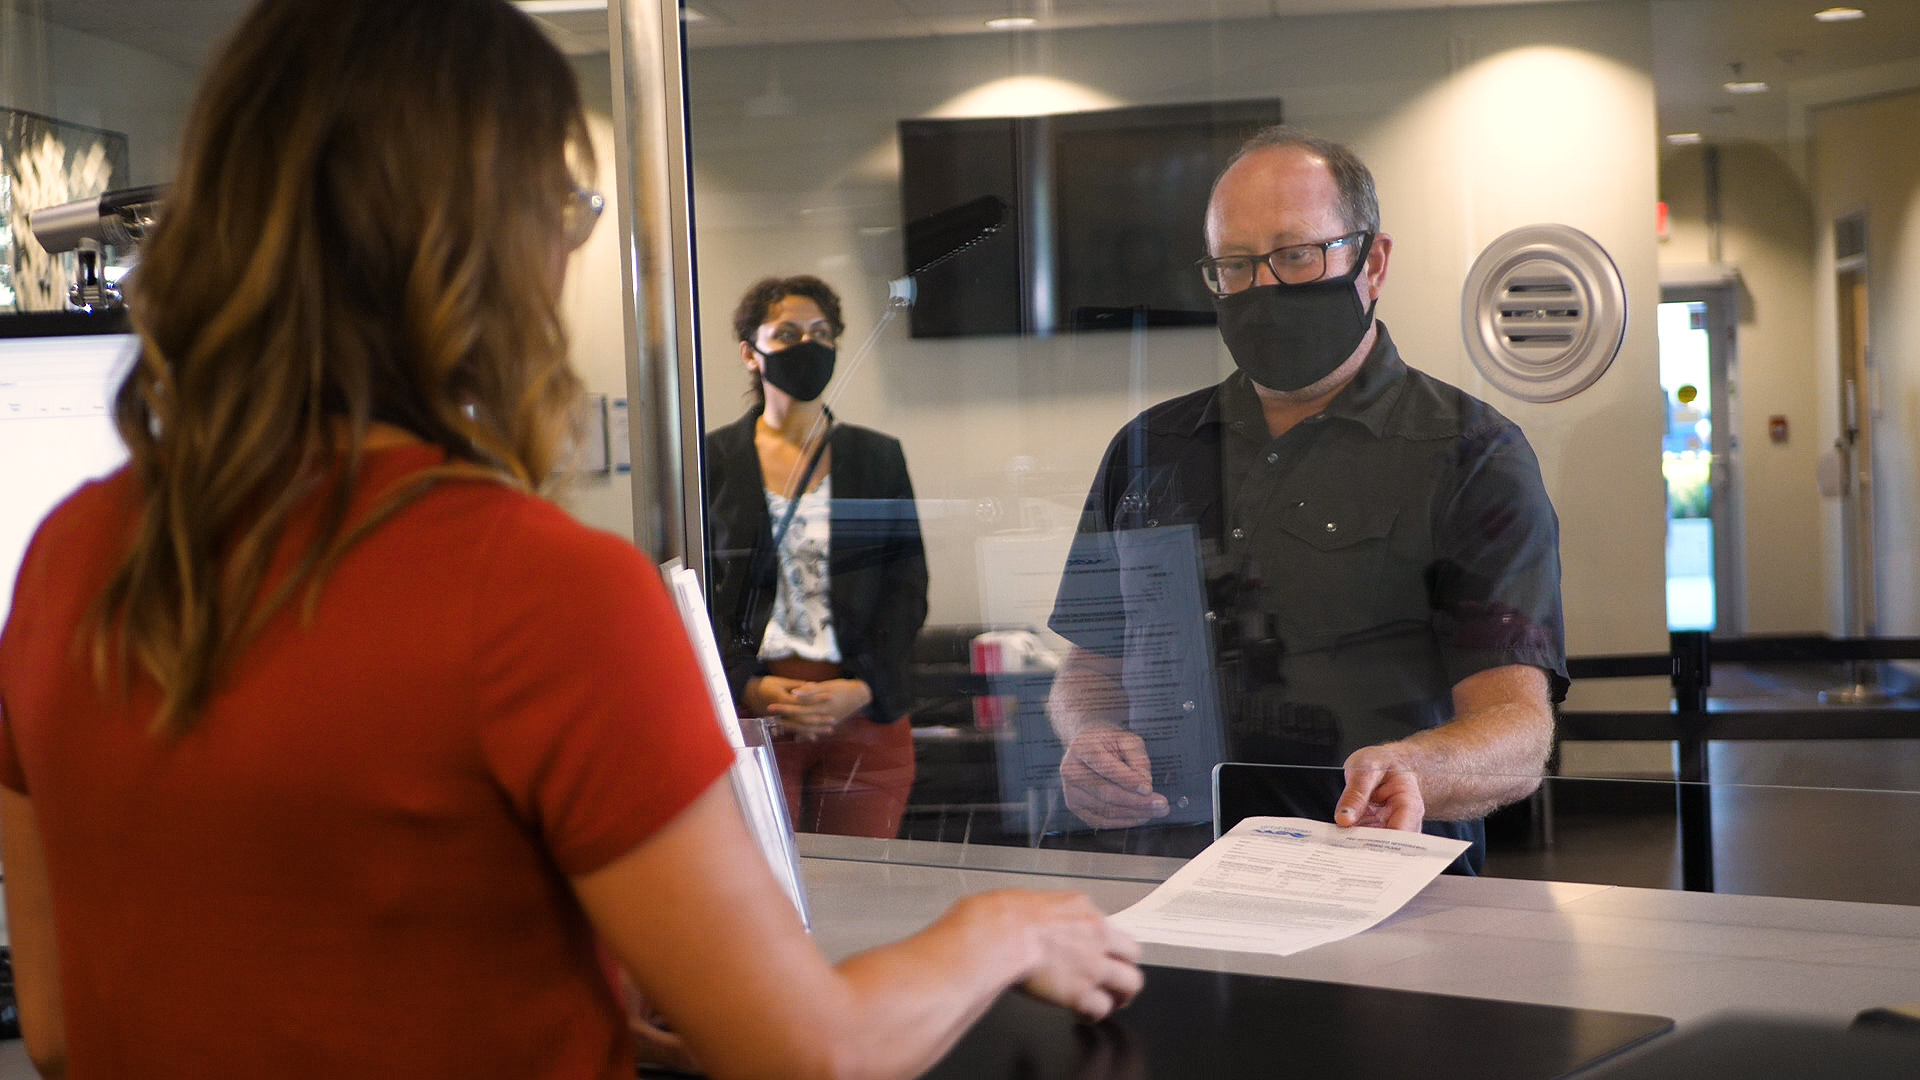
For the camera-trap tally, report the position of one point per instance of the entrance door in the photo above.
(1706, 584)
(1856, 450)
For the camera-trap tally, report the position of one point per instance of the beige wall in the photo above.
(1766, 234)
(591, 307)
(1475, 122)
(1865, 157)
(105, 84)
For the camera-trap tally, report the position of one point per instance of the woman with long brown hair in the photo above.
(327, 747)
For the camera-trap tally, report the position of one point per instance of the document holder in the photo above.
(763, 802)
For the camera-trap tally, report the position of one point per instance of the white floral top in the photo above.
(802, 622)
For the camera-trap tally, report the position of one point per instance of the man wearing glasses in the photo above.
(1380, 560)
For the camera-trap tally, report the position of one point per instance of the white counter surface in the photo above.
(1675, 954)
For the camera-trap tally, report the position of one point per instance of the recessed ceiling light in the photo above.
(1840, 14)
(1012, 22)
(1750, 87)
(1685, 138)
(560, 7)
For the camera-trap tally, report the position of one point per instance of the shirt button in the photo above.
(1239, 534)
(1273, 459)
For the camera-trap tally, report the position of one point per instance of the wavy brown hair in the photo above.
(366, 226)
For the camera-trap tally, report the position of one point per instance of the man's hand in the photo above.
(1382, 792)
(1108, 779)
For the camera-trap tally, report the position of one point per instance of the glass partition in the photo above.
(1061, 501)
(1097, 514)
(1801, 841)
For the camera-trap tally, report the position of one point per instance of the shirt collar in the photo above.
(1367, 400)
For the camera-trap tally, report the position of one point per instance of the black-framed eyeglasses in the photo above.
(582, 213)
(1295, 264)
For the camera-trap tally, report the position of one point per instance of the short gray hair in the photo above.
(1358, 204)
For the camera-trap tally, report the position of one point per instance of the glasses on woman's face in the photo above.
(787, 334)
(582, 213)
(1295, 264)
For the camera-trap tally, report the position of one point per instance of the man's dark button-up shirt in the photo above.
(1356, 568)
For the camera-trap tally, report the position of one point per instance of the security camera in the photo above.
(118, 218)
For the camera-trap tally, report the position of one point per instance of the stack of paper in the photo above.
(1281, 885)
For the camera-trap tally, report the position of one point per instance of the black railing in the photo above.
(1691, 724)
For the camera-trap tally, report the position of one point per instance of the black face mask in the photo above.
(801, 371)
(1288, 337)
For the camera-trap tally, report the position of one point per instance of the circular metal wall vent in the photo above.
(1544, 312)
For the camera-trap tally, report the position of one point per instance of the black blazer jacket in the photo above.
(876, 570)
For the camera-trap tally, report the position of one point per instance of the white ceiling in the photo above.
(1694, 40)
(1775, 41)
(747, 22)
(182, 31)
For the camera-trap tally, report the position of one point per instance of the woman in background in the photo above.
(819, 577)
(327, 747)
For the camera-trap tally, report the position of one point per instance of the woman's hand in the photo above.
(1077, 959)
(766, 691)
(811, 710)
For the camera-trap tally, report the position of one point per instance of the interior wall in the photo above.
(1767, 234)
(590, 306)
(1864, 157)
(1475, 122)
(104, 84)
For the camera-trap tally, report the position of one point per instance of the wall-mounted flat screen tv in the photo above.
(1075, 221)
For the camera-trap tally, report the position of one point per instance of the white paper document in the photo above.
(684, 584)
(1281, 885)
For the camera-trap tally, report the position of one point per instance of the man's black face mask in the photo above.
(1288, 337)
(801, 370)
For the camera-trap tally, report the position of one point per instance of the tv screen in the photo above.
(1102, 222)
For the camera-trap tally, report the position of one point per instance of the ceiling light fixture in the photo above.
(1012, 22)
(560, 7)
(1840, 14)
(1686, 138)
(1753, 86)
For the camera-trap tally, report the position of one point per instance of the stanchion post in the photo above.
(1692, 674)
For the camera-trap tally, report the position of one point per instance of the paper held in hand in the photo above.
(1281, 885)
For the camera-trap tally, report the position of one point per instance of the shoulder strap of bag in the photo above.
(750, 596)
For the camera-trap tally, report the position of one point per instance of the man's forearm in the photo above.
(1087, 693)
(1480, 761)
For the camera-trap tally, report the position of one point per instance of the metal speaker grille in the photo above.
(1544, 312)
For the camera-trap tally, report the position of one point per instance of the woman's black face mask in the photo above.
(1288, 337)
(801, 370)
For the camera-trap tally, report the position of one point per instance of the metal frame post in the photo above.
(654, 173)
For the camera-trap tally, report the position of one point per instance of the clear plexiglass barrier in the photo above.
(1762, 839)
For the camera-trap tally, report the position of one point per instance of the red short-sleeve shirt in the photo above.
(356, 863)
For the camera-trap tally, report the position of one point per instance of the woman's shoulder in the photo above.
(96, 515)
(734, 432)
(532, 531)
(856, 437)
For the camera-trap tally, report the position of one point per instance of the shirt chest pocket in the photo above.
(1334, 569)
